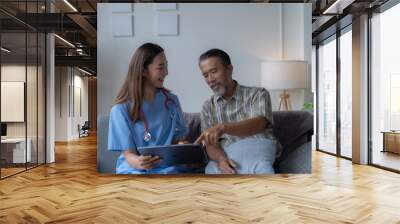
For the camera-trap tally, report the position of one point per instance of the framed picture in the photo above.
(122, 25)
(166, 6)
(167, 24)
(122, 7)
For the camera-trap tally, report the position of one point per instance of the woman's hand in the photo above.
(141, 162)
(180, 142)
(146, 162)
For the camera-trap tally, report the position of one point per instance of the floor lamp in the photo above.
(284, 75)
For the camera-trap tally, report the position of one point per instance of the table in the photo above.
(16, 147)
(391, 141)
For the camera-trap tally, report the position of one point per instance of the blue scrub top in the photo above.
(165, 124)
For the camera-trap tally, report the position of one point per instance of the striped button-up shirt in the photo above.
(246, 102)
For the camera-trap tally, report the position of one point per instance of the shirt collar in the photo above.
(235, 95)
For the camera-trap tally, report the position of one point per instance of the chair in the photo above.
(84, 130)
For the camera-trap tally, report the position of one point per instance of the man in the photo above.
(236, 122)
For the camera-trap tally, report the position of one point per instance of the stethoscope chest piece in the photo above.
(147, 136)
(167, 102)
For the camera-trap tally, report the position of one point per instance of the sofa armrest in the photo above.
(106, 160)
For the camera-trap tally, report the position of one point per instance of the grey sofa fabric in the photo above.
(290, 125)
(193, 123)
(293, 130)
(106, 160)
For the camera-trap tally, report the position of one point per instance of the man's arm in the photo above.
(241, 129)
(214, 152)
(226, 165)
(261, 118)
(246, 127)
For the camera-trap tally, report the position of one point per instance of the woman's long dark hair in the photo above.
(132, 89)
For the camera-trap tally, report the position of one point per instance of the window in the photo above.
(327, 96)
(346, 93)
(385, 86)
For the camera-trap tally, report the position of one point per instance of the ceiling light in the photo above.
(338, 6)
(65, 41)
(70, 5)
(5, 50)
(331, 7)
(84, 71)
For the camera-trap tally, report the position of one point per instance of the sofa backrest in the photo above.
(288, 127)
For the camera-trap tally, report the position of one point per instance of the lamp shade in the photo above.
(279, 75)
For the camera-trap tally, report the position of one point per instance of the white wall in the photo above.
(66, 121)
(61, 103)
(297, 45)
(250, 33)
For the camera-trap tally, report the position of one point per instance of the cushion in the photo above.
(193, 123)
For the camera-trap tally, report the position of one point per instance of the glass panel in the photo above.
(346, 94)
(41, 98)
(327, 97)
(13, 86)
(23, 89)
(31, 101)
(385, 84)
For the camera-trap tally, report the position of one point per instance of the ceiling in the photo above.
(330, 16)
(77, 23)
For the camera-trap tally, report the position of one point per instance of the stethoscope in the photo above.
(167, 101)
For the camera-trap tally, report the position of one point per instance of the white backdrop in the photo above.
(250, 33)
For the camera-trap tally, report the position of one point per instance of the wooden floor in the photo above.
(71, 191)
(5, 172)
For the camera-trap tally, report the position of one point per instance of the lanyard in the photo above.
(147, 135)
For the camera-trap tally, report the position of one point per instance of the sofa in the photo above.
(293, 129)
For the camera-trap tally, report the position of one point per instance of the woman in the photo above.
(145, 114)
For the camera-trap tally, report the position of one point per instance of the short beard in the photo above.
(221, 91)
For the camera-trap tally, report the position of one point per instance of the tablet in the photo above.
(176, 154)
